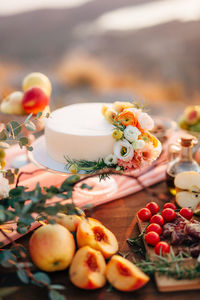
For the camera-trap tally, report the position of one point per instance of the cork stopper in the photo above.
(187, 141)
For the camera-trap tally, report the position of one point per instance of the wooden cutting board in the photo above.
(167, 284)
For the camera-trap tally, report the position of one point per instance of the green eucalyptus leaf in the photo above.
(85, 186)
(22, 274)
(27, 207)
(23, 141)
(22, 230)
(7, 258)
(17, 191)
(72, 179)
(51, 210)
(55, 295)
(30, 126)
(29, 148)
(14, 128)
(43, 278)
(2, 216)
(28, 118)
(26, 219)
(3, 135)
(39, 114)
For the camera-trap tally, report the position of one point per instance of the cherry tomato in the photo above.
(158, 219)
(152, 238)
(144, 214)
(162, 248)
(168, 214)
(154, 227)
(170, 205)
(186, 213)
(153, 207)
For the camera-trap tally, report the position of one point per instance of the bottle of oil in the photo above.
(183, 162)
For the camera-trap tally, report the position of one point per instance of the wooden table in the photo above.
(119, 216)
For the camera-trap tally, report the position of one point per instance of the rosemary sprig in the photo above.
(171, 266)
(137, 244)
(86, 165)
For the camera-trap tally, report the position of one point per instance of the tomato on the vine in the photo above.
(154, 227)
(144, 214)
(168, 214)
(152, 238)
(170, 205)
(153, 207)
(186, 213)
(162, 248)
(158, 219)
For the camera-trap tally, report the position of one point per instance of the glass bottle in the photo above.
(183, 162)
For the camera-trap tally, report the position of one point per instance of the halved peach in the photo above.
(70, 222)
(124, 275)
(93, 233)
(87, 270)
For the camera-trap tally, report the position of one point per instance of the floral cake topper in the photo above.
(134, 147)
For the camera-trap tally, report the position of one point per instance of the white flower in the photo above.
(135, 111)
(123, 150)
(4, 187)
(138, 144)
(131, 133)
(110, 159)
(145, 121)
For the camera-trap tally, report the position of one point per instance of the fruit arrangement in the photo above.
(34, 98)
(171, 226)
(190, 120)
(188, 190)
(53, 247)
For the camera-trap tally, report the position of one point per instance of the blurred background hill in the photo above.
(103, 50)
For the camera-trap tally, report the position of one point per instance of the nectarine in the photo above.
(35, 100)
(37, 79)
(87, 270)
(124, 275)
(93, 233)
(52, 247)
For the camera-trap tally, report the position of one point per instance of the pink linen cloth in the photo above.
(114, 188)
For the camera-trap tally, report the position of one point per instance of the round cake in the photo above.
(78, 131)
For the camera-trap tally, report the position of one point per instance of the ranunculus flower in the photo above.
(117, 134)
(4, 187)
(110, 115)
(119, 106)
(127, 118)
(110, 159)
(131, 133)
(145, 121)
(123, 150)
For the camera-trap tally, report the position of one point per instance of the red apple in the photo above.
(35, 100)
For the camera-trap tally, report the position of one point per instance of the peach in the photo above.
(87, 270)
(93, 233)
(70, 222)
(35, 100)
(12, 104)
(124, 275)
(52, 247)
(37, 79)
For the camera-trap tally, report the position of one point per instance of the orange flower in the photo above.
(127, 118)
(151, 138)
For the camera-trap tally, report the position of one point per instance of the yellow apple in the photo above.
(39, 80)
(87, 270)
(12, 104)
(52, 247)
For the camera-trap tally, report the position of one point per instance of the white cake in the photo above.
(78, 131)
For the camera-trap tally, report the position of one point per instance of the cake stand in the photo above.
(39, 156)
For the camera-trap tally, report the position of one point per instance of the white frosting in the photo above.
(78, 131)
